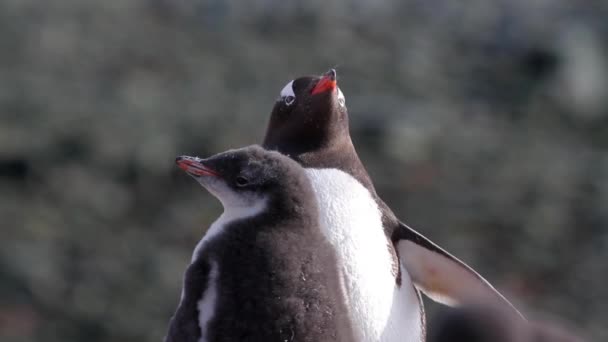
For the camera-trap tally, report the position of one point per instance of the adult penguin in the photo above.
(384, 263)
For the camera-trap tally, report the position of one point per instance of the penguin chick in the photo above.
(263, 271)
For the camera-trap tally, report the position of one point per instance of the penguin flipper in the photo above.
(440, 275)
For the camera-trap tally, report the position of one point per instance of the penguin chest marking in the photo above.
(207, 303)
(380, 310)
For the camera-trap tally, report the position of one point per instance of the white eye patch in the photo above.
(288, 90)
(341, 99)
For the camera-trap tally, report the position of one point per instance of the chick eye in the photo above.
(241, 181)
(289, 100)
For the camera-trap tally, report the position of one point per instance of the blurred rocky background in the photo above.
(483, 123)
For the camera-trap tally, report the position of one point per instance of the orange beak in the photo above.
(326, 83)
(193, 166)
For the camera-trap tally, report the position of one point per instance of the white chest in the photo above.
(352, 222)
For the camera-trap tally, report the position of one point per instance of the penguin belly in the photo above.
(380, 310)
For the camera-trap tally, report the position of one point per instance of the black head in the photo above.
(309, 114)
(239, 178)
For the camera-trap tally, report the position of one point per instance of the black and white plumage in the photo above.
(263, 271)
(386, 262)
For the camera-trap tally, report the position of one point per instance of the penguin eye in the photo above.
(289, 100)
(241, 181)
(287, 94)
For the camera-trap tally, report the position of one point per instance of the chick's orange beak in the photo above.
(194, 166)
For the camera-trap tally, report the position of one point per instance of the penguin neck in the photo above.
(308, 132)
(296, 138)
(335, 152)
(240, 209)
